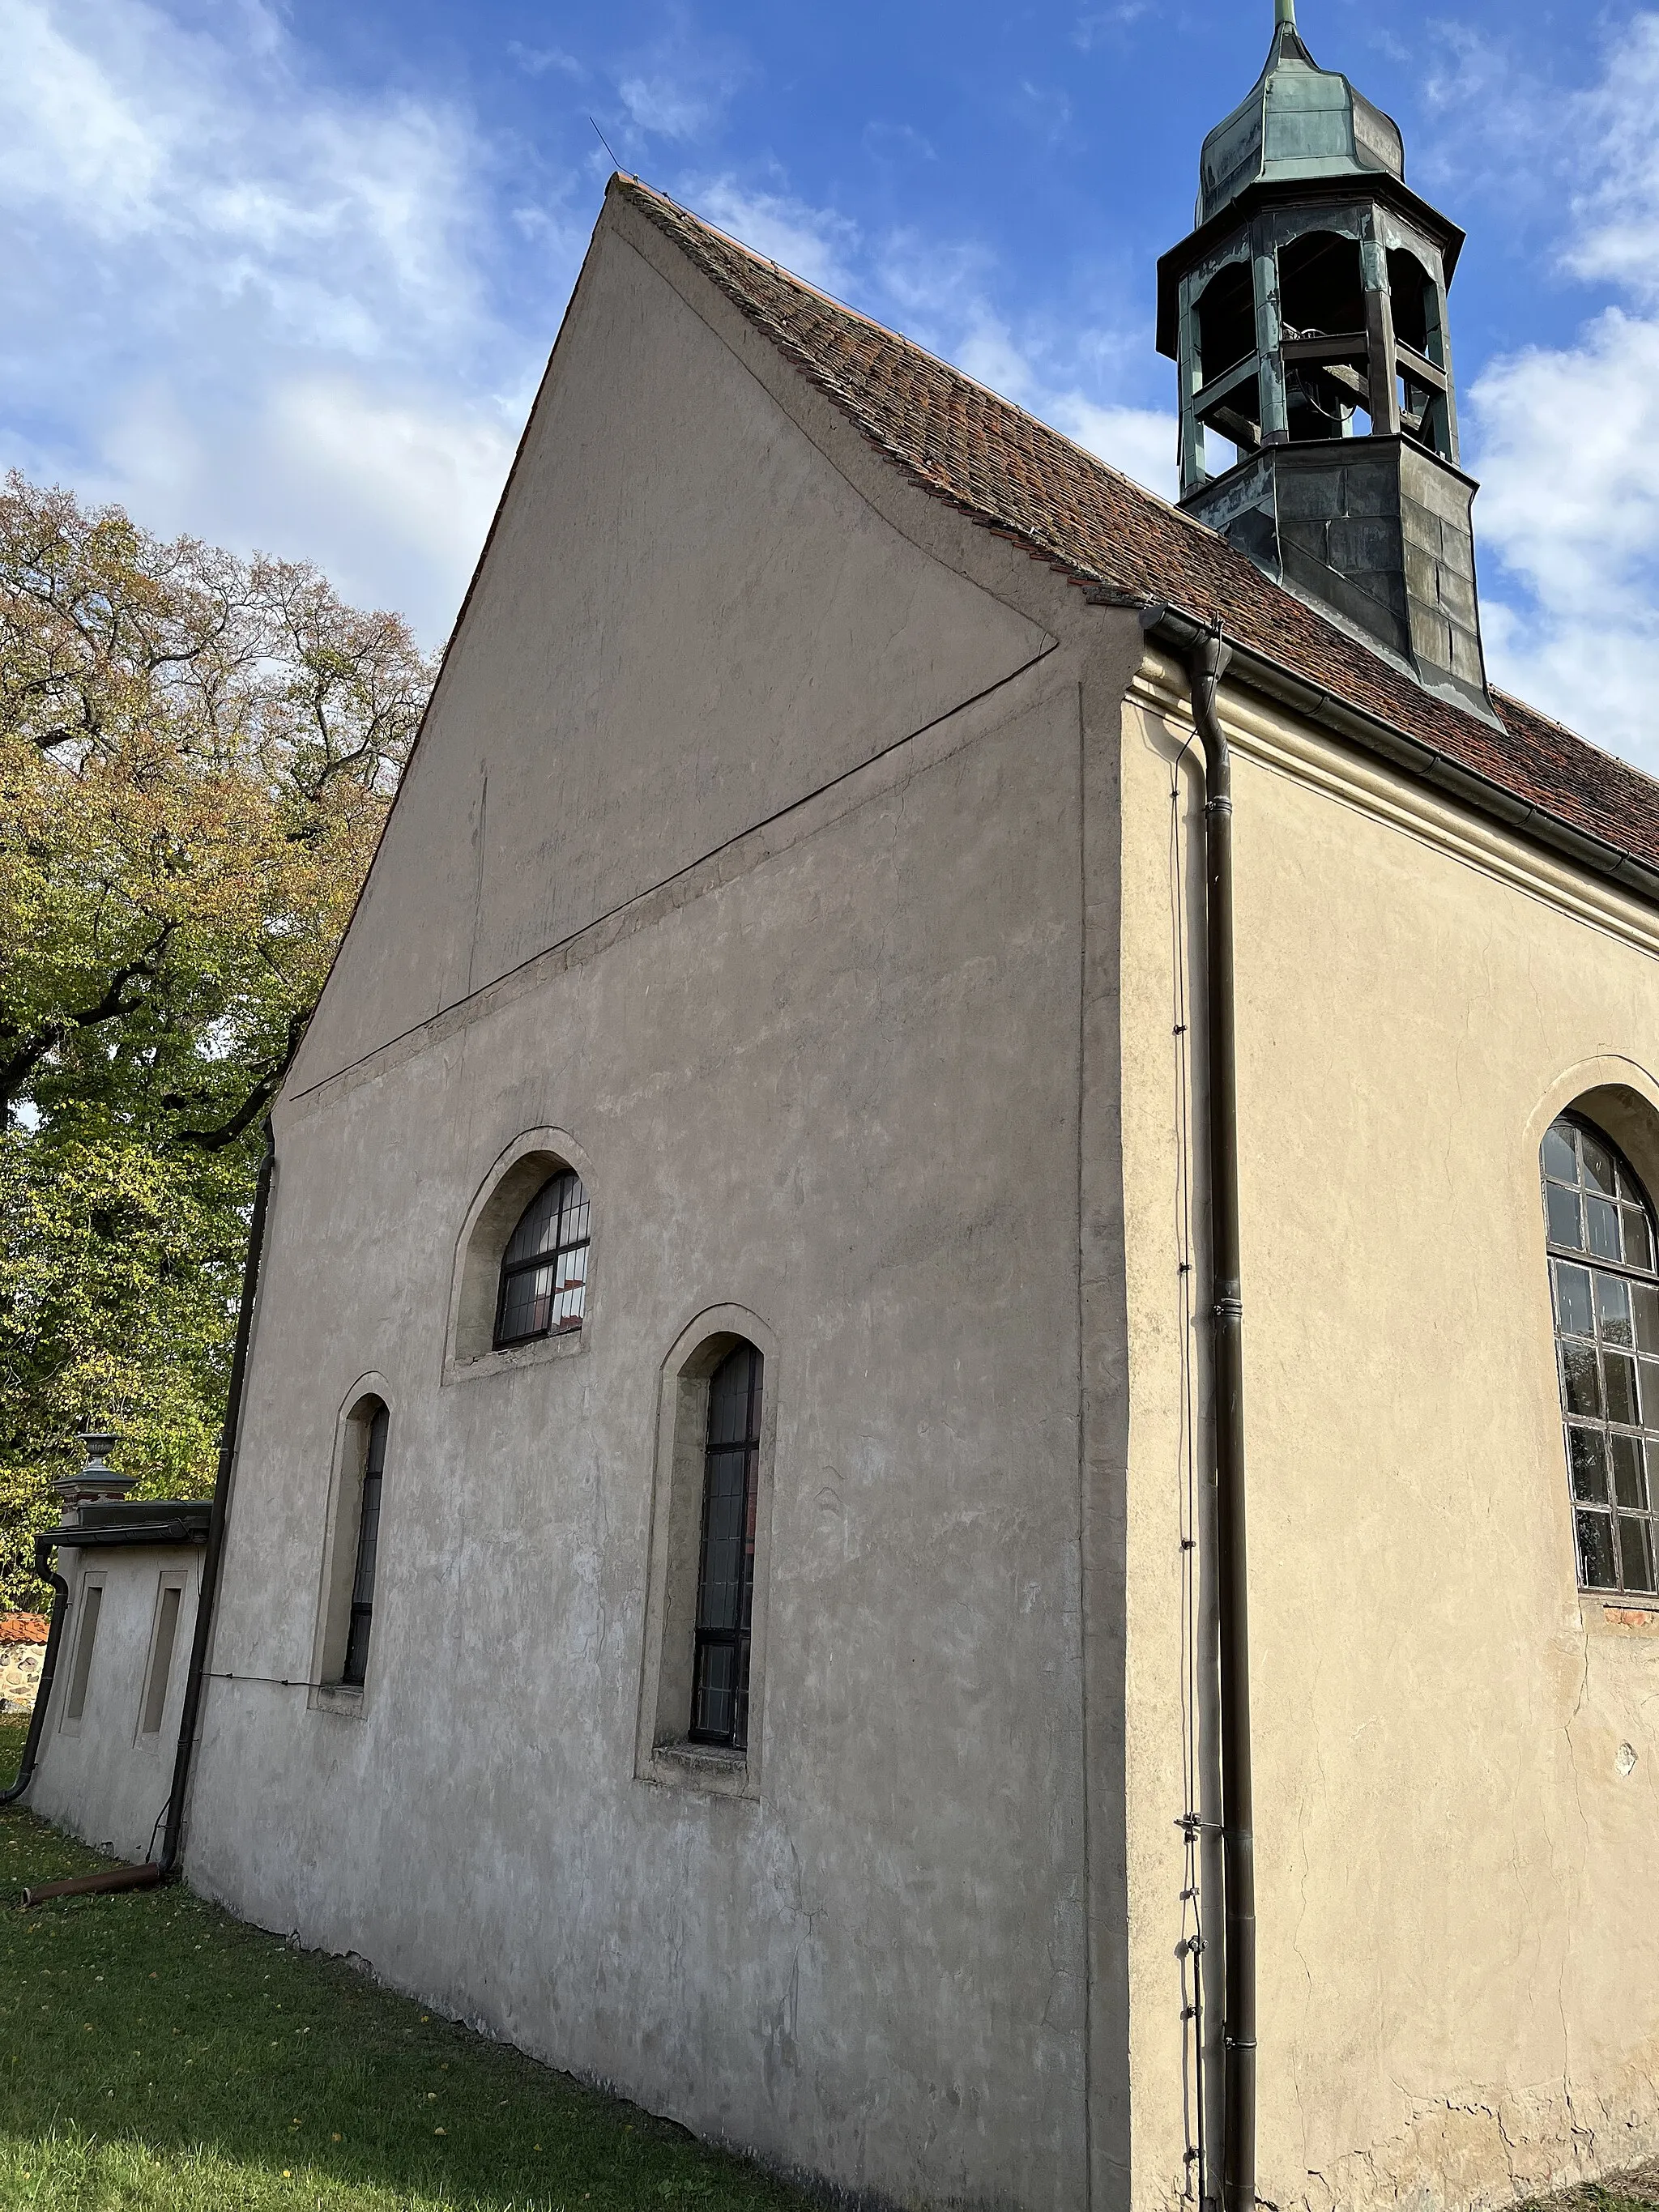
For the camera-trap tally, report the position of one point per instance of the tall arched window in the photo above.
(725, 1569)
(1601, 1233)
(354, 1671)
(543, 1288)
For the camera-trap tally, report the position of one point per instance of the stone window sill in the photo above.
(338, 1697)
(564, 1345)
(701, 1767)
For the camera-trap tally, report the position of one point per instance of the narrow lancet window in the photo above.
(355, 1672)
(725, 1574)
(543, 1288)
(1600, 1234)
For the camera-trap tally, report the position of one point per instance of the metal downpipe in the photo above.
(1207, 665)
(201, 1641)
(44, 1542)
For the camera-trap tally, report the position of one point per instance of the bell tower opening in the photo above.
(1306, 312)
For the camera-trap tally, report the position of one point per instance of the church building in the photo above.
(949, 1452)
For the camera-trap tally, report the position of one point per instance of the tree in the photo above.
(196, 754)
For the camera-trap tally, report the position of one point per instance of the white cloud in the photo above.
(249, 307)
(536, 61)
(1566, 440)
(1139, 440)
(815, 243)
(942, 296)
(255, 305)
(680, 86)
(1619, 234)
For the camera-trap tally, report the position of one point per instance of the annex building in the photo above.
(951, 1433)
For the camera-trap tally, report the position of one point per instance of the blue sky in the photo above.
(285, 276)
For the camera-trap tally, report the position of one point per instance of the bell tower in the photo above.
(1307, 316)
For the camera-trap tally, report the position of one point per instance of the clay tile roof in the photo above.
(23, 1628)
(1013, 473)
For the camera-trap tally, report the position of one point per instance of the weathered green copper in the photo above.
(1307, 316)
(1296, 121)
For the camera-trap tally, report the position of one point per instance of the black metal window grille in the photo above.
(355, 1672)
(726, 1572)
(1600, 1230)
(544, 1268)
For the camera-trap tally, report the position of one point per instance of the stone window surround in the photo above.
(517, 1173)
(90, 1578)
(662, 1756)
(177, 1578)
(339, 1554)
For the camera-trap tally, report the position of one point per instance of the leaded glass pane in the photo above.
(1565, 1216)
(1613, 1310)
(1560, 1154)
(355, 1669)
(1581, 1383)
(1574, 1314)
(1598, 1164)
(1629, 1482)
(726, 1576)
(1587, 1449)
(1638, 1240)
(1595, 1567)
(1619, 1371)
(1636, 1554)
(1601, 1225)
(544, 1268)
(1604, 1317)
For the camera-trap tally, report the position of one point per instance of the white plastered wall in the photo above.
(104, 1776)
(1458, 1898)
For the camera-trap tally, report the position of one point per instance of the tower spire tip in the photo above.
(1284, 13)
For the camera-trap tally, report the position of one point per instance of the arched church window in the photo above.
(725, 1569)
(1600, 1229)
(373, 1418)
(543, 1285)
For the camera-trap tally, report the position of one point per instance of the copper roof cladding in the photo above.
(1014, 475)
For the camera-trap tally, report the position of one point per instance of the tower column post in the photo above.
(1269, 338)
(1188, 372)
(1379, 334)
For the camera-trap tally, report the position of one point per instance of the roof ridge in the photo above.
(1086, 453)
(1008, 471)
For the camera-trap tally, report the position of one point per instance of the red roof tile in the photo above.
(1013, 473)
(23, 1628)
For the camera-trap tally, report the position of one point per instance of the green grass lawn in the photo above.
(157, 2056)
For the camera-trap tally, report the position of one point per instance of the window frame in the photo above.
(1639, 1463)
(366, 1546)
(737, 1637)
(547, 1256)
(330, 1690)
(664, 1755)
(519, 1172)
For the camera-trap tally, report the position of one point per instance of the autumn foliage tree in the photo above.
(197, 753)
